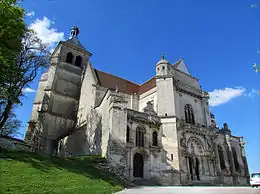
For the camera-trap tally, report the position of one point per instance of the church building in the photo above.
(161, 130)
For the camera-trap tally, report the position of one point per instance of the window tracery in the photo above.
(189, 115)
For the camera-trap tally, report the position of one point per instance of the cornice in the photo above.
(143, 117)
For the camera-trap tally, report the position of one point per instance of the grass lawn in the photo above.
(23, 172)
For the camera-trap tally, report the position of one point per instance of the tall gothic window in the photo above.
(140, 137)
(189, 115)
(69, 58)
(78, 61)
(155, 138)
(235, 159)
(127, 134)
(221, 158)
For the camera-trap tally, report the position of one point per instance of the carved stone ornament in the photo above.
(209, 144)
(45, 103)
(149, 108)
(183, 140)
(225, 126)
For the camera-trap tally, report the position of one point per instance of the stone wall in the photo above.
(10, 143)
(150, 95)
(84, 140)
(197, 105)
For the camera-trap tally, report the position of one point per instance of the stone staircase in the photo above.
(108, 168)
(202, 183)
(146, 182)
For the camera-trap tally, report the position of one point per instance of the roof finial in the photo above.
(162, 56)
(74, 31)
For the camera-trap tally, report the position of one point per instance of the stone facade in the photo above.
(161, 130)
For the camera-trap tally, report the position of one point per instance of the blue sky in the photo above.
(218, 41)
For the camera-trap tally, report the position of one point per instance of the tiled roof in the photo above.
(177, 64)
(113, 82)
(116, 83)
(146, 86)
(75, 42)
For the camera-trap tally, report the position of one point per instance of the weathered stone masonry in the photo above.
(160, 131)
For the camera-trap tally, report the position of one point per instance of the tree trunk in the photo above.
(5, 114)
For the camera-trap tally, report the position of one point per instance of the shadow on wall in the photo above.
(85, 140)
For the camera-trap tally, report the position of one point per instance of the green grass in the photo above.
(23, 172)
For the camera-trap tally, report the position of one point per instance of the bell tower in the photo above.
(167, 109)
(55, 107)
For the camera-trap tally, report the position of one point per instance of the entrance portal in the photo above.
(191, 168)
(194, 168)
(138, 165)
(197, 169)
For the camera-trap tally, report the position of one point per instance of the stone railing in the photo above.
(186, 86)
(196, 127)
(143, 117)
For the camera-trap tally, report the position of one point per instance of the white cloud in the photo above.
(221, 96)
(30, 14)
(252, 93)
(29, 90)
(45, 32)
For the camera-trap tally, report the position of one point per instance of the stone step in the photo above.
(146, 182)
(202, 183)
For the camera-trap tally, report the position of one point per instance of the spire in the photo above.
(74, 32)
(162, 57)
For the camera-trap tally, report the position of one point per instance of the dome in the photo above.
(162, 61)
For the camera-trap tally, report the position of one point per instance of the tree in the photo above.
(12, 29)
(32, 58)
(11, 126)
(256, 68)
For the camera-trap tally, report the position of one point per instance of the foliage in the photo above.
(32, 173)
(12, 29)
(256, 68)
(11, 126)
(32, 58)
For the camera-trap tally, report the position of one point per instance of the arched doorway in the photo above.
(191, 167)
(138, 165)
(196, 150)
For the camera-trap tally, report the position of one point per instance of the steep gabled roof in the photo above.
(148, 85)
(181, 66)
(75, 42)
(116, 83)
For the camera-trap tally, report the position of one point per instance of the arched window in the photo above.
(221, 158)
(235, 159)
(127, 134)
(78, 61)
(189, 115)
(155, 138)
(69, 58)
(140, 137)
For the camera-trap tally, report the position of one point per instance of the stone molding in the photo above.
(143, 117)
